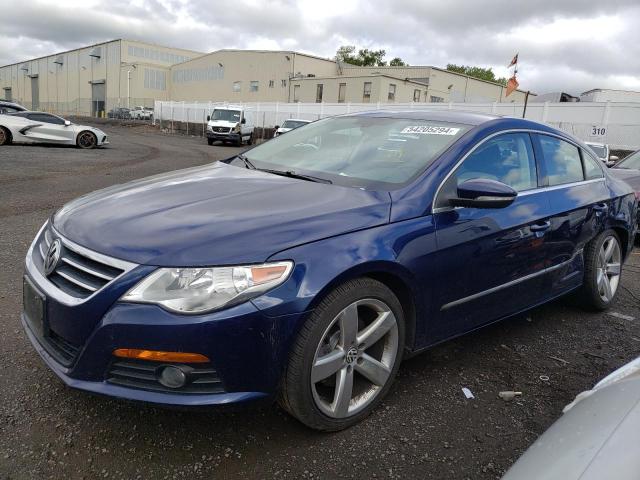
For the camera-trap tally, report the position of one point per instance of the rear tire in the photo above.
(87, 140)
(5, 136)
(250, 141)
(345, 357)
(602, 271)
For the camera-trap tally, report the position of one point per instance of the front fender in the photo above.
(400, 250)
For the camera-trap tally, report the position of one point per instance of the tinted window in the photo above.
(359, 151)
(591, 167)
(562, 161)
(5, 109)
(43, 117)
(508, 159)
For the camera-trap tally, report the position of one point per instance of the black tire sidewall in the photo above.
(300, 400)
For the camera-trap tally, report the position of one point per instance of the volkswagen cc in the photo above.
(307, 268)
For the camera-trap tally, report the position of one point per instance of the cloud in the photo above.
(569, 45)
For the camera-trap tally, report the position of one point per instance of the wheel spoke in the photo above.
(613, 269)
(606, 284)
(608, 251)
(376, 330)
(373, 370)
(349, 325)
(327, 365)
(343, 392)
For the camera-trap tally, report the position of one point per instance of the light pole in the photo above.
(129, 81)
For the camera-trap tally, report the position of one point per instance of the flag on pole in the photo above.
(512, 85)
(514, 61)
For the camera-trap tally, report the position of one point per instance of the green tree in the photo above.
(477, 72)
(398, 62)
(365, 57)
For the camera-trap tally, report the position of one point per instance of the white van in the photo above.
(230, 124)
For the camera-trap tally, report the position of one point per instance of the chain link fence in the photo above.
(617, 124)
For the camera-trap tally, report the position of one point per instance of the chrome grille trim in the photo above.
(84, 268)
(72, 279)
(87, 283)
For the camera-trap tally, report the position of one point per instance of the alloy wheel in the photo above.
(608, 268)
(355, 358)
(87, 140)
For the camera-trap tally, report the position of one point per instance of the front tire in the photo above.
(5, 136)
(602, 271)
(87, 140)
(346, 356)
(210, 141)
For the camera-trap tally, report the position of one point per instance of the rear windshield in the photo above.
(601, 152)
(375, 153)
(632, 161)
(293, 124)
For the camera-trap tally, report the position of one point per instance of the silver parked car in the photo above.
(596, 438)
(40, 127)
(603, 153)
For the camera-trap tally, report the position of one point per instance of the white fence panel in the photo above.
(617, 124)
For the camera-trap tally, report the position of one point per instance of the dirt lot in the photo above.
(426, 428)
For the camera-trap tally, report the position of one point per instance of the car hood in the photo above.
(214, 215)
(632, 177)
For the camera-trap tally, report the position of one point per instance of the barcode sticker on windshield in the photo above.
(427, 130)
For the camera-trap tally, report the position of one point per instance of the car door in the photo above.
(579, 201)
(49, 128)
(490, 262)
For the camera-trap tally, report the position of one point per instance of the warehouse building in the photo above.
(93, 79)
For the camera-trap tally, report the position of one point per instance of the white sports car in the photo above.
(39, 127)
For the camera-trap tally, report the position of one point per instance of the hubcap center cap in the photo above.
(352, 355)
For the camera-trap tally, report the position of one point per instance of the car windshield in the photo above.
(599, 150)
(226, 115)
(632, 161)
(293, 123)
(359, 151)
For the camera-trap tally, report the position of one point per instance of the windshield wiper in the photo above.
(284, 173)
(292, 174)
(247, 162)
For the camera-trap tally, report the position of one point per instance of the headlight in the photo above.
(237, 128)
(198, 290)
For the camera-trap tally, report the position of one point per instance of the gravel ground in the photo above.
(426, 428)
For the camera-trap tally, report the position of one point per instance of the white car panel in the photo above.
(38, 130)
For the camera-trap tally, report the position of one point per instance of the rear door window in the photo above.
(592, 168)
(562, 161)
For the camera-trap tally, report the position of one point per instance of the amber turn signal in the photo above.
(159, 356)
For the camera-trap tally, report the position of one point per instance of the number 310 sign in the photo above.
(597, 131)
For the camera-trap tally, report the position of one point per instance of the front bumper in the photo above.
(247, 347)
(225, 137)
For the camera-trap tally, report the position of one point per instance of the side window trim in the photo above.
(543, 182)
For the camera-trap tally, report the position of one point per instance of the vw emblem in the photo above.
(352, 355)
(52, 257)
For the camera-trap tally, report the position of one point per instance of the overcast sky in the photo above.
(568, 45)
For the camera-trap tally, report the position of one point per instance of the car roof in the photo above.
(465, 118)
(6, 103)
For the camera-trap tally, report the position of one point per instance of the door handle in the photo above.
(540, 227)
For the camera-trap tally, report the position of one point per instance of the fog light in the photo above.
(172, 377)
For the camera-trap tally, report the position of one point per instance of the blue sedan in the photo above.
(307, 268)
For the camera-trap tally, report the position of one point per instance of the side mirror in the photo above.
(483, 193)
(276, 127)
(614, 158)
(67, 123)
(208, 118)
(244, 120)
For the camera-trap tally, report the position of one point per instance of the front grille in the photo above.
(63, 351)
(221, 129)
(141, 374)
(76, 274)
